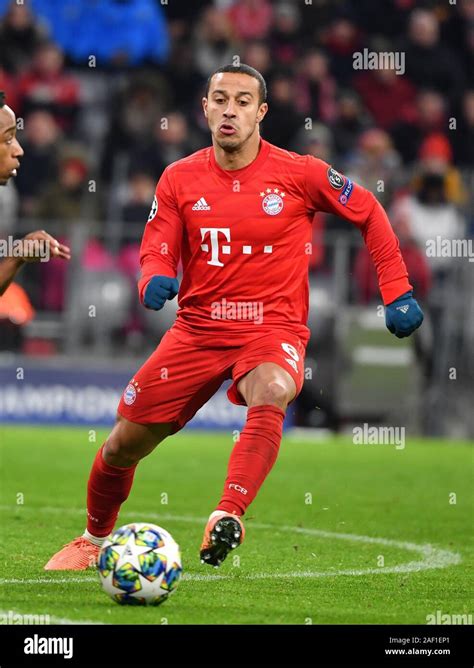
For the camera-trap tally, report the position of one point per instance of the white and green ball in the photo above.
(140, 564)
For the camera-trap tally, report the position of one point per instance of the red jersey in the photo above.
(244, 239)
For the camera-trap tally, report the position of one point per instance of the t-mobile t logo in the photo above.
(214, 237)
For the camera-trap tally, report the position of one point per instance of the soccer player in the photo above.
(238, 214)
(10, 154)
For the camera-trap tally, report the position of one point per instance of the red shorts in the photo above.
(181, 376)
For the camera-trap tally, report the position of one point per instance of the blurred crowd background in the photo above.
(109, 92)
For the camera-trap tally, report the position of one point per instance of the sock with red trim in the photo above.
(252, 458)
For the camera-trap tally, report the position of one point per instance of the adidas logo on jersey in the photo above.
(201, 205)
(404, 308)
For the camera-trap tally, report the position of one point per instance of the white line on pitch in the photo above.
(432, 557)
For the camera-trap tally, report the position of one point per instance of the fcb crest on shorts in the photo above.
(130, 394)
(272, 202)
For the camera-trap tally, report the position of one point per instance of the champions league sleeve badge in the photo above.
(153, 210)
(335, 179)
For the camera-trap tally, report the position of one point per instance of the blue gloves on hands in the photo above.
(158, 290)
(403, 315)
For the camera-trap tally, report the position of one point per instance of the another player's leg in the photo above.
(267, 391)
(109, 485)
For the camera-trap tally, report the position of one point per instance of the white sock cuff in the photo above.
(95, 540)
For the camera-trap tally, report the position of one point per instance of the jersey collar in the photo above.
(243, 174)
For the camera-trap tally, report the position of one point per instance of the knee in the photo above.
(116, 452)
(121, 449)
(273, 392)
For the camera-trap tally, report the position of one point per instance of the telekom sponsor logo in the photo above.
(212, 239)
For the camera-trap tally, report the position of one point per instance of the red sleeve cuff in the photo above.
(142, 283)
(390, 291)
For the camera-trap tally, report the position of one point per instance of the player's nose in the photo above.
(230, 111)
(18, 151)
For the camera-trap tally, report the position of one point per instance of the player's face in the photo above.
(10, 149)
(232, 109)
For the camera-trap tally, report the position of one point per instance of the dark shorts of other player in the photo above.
(180, 376)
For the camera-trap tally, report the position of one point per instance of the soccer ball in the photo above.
(140, 565)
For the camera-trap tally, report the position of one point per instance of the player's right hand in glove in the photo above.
(158, 290)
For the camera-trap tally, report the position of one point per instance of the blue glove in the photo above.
(403, 315)
(158, 290)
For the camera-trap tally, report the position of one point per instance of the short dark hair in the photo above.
(242, 69)
(2, 98)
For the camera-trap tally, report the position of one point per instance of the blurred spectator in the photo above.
(430, 216)
(435, 159)
(135, 111)
(315, 88)
(63, 200)
(375, 164)
(9, 86)
(463, 135)
(351, 121)
(138, 197)
(187, 82)
(429, 62)
(20, 36)
(251, 19)
(48, 87)
(428, 116)
(389, 19)
(173, 139)
(285, 38)
(341, 39)
(39, 164)
(181, 17)
(116, 32)
(214, 44)
(385, 94)
(258, 55)
(459, 33)
(283, 121)
(316, 141)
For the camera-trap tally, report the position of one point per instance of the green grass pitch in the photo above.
(340, 533)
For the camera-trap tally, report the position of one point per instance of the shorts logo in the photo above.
(154, 209)
(347, 192)
(335, 179)
(130, 395)
(292, 352)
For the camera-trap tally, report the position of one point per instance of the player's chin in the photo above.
(4, 180)
(229, 143)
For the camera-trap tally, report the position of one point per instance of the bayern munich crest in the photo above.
(272, 201)
(130, 394)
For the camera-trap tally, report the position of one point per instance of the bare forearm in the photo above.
(8, 270)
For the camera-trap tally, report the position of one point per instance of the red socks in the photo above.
(252, 458)
(108, 487)
(250, 462)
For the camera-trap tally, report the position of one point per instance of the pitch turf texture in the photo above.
(381, 542)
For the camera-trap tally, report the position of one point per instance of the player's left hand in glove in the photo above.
(403, 315)
(158, 290)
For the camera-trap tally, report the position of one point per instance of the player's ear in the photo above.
(204, 105)
(262, 112)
